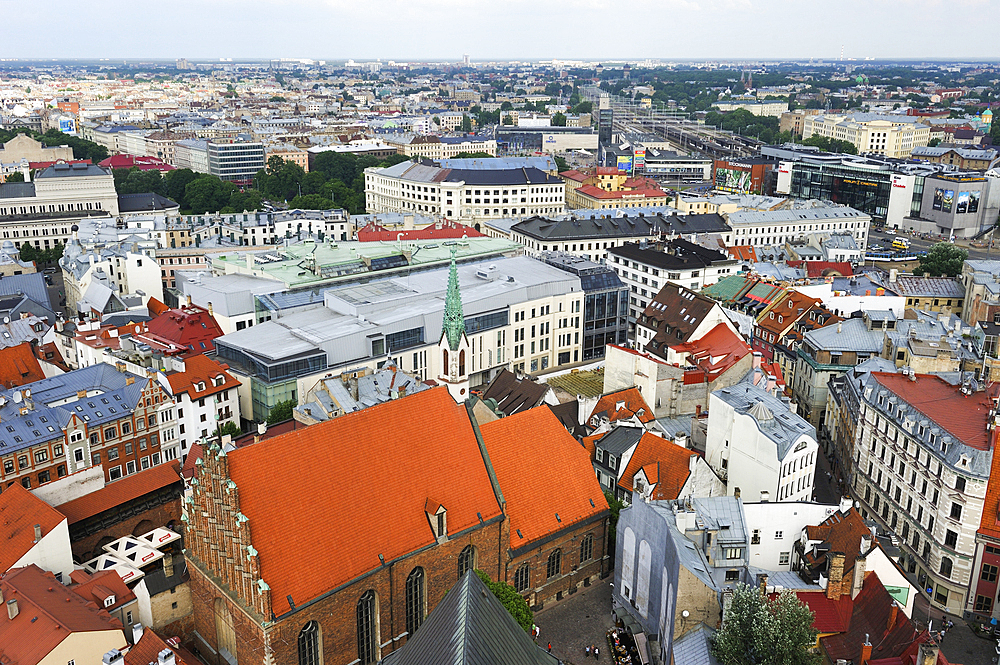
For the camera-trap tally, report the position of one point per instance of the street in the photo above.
(577, 622)
(919, 245)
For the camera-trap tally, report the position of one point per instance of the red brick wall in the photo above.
(336, 613)
(85, 548)
(573, 575)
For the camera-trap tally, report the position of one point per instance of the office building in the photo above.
(776, 227)
(889, 135)
(235, 160)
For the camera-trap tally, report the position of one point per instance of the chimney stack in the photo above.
(38, 532)
(113, 657)
(858, 581)
(736, 492)
(136, 632)
(835, 574)
(866, 650)
(210, 309)
(928, 654)
(893, 614)
(12, 609)
(165, 657)
(189, 301)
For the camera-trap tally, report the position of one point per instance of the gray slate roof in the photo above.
(783, 427)
(470, 627)
(695, 648)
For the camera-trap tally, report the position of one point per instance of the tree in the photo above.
(311, 202)
(559, 120)
(615, 506)
(943, 258)
(29, 252)
(933, 143)
(466, 123)
(16, 176)
(230, 429)
(583, 107)
(281, 412)
(758, 631)
(511, 600)
(561, 163)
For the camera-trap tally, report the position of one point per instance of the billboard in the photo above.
(625, 163)
(962, 203)
(67, 126)
(733, 180)
(974, 201)
(640, 158)
(938, 195)
(948, 200)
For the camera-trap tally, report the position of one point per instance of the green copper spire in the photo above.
(454, 322)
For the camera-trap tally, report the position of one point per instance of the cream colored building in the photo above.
(434, 147)
(770, 108)
(889, 135)
(289, 153)
(23, 147)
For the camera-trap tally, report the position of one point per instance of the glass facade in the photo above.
(861, 189)
(605, 321)
(478, 324)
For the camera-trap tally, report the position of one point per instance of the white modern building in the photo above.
(760, 446)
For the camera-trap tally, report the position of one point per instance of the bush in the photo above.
(510, 599)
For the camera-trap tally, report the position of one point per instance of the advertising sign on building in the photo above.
(974, 201)
(948, 200)
(640, 158)
(625, 163)
(962, 205)
(938, 197)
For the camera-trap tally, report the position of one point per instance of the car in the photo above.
(49, 271)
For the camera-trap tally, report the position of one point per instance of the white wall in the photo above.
(845, 305)
(51, 553)
(889, 575)
(72, 486)
(786, 518)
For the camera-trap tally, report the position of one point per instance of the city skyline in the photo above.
(423, 31)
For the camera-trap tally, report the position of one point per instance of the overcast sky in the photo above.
(507, 29)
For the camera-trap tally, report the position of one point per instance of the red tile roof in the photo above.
(149, 646)
(535, 439)
(829, 616)
(20, 511)
(50, 353)
(665, 463)
(742, 252)
(121, 491)
(200, 370)
(190, 326)
(843, 533)
(713, 353)
(989, 523)
(101, 585)
(18, 366)
(824, 268)
(420, 446)
(602, 194)
(48, 613)
(575, 175)
(607, 406)
(870, 616)
(373, 232)
(962, 416)
(155, 307)
(144, 163)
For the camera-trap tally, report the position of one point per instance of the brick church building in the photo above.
(332, 543)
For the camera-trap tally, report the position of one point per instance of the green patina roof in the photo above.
(727, 289)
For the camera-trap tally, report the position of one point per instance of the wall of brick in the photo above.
(574, 573)
(337, 613)
(88, 547)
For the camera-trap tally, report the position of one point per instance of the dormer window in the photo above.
(437, 516)
(619, 405)
(109, 601)
(199, 386)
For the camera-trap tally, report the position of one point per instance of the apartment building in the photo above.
(923, 449)
(289, 153)
(777, 227)
(438, 147)
(94, 417)
(468, 196)
(206, 396)
(646, 267)
(889, 135)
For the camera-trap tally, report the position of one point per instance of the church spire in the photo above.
(454, 322)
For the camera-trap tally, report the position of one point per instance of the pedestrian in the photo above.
(597, 653)
(588, 651)
(550, 647)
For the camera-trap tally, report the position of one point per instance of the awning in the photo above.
(642, 646)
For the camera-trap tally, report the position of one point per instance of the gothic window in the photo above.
(587, 548)
(466, 560)
(521, 578)
(555, 564)
(414, 600)
(461, 363)
(368, 628)
(447, 369)
(309, 649)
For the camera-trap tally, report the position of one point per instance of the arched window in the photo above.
(415, 608)
(555, 564)
(461, 363)
(521, 578)
(447, 370)
(946, 566)
(466, 560)
(368, 628)
(587, 548)
(310, 652)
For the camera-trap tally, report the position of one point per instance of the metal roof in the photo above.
(773, 416)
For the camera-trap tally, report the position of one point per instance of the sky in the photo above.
(422, 30)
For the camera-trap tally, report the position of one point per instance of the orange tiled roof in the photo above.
(146, 650)
(156, 307)
(665, 463)
(845, 533)
(742, 252)
(20, 511)
(598, 193)
(121, 491)
(634, 403)
(989, 523)
(200, 369)
(18, 366)
(713, 353)
(409, 449)
(99, 586)
(535, 439)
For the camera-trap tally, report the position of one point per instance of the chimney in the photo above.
(697, 410)
(165, 657)
(845, 504)
(840, 325)
(168, 565)
(762, 583)
(736, 492)
(757, 359)
(893, 614)
(765, 496)
(892, 275)
(835, 574)
(38, 532)
(136, 632)
(860, 567)
(12, 609)
(210, 309)
(928, 654)
(189, 301)
(692, 463)
(866, 651)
